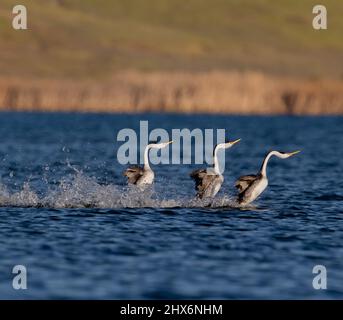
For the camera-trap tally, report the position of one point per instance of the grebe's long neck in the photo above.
(146, 157)
(215, 161)
(263, 170)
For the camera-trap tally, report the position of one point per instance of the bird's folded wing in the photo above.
(244, 182)
(198, 177)
(133, 174)
(203, 179)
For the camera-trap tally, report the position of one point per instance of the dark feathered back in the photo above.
(133, 174)
(202, 179)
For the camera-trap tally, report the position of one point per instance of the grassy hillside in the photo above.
(95, 38)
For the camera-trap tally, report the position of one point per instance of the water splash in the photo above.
(81, 191)
(24, 198)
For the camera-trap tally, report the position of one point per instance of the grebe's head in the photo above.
(226, 144)
(284, 155)
(159, 145)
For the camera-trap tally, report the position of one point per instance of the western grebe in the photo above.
(251, 186)
(144, 175)
(208, 181)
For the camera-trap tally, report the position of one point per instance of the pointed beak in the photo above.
(170, 142)
(234, 142)
(293, 153)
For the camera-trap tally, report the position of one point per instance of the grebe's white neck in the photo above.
(281, 155)
(219, 146)
(215, 158)
(146, 157)
(150, 146)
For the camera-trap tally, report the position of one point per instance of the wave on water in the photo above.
(81, 191)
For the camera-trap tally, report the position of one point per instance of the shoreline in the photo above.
(214, 114)
(215, 92)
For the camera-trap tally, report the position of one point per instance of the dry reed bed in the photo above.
(208, 92)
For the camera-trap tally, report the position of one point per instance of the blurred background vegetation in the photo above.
(231, 56)
(94, 38)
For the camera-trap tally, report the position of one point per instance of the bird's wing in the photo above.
(203, 179)
(133, 174)
(244, 182)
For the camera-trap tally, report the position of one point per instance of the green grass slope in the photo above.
(94, 38)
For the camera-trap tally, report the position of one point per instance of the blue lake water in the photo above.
(68, 217)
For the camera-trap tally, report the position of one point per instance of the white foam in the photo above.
(81, 191)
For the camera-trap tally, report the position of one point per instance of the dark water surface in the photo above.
(67, 215)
